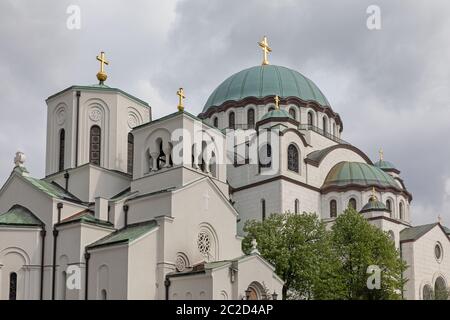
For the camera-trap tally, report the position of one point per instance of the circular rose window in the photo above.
(204, 243)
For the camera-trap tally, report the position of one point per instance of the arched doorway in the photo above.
(255, 291)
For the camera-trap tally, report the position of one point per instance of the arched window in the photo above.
(296, 206)
(12, 286)
(333, 209)
(265, 156)
(271, 109)
(263, 209)
(324, 124)
(352, 203)
(440, 289)
(310, 119)
(216, 122)
(400, 211)
(130, 153)
(250, 118)
(95, 145)
(104, 295)
(293, 158)
(231, 120)
(62, 143)
(389, 205)
(292, 113)
(427, 292)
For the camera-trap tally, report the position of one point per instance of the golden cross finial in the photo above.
(181, 96)
(381, 154)
(277, 102)
(266, 49)
(101, 75)
(374, 197)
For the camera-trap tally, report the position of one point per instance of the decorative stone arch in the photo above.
(329, 207)
(294, 157)
(247, 111)
(255, 291)
(151, 150)
(393, 206)
(349, 198)
(134, 117)
(440, 284)
(223, 295)
(207, 242)
(181, 262)
(14, 260)
(325, 124)
(426, 291)
(293, 110)
(297, 133)
(228, 117)
(57, 124)
(311, 117)
(15, 250)
(95, 112)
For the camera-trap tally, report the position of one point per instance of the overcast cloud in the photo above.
(391, 86)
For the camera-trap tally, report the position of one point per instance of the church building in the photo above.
(133, 207)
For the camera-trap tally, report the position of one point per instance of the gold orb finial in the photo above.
(181, 96)
(373, 197)
(101, 75)
(266, 49)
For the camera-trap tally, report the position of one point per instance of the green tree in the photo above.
(298, 245)
(359, 245)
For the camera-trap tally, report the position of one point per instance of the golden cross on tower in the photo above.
(181, 96)
(381, 154)
(101, 75)
(374, 197)
(266, 49)
(277, 102)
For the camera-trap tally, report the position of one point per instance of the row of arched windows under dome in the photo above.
(352, 204)
(251, 120)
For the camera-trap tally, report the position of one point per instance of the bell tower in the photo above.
(91, 124)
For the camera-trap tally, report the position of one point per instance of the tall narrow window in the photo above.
(104, 295)
(310, 119)
(130, 153)
(12, 286)
(95, 145)
(251, 118)
(333, 209)
(389, 206)
(296, 206)
(293, 158)
(62, 143)
(161, 160)
(334, 130)
(216, 122)
(352, 203)
(292, 113)
(324, 124)
(263, 209)
(400, 211)
(231, 120)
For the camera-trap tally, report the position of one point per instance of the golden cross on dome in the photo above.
(277, 102)
(374, 197)
(101, 75)
(266, 49)
(181, 96)
(381, 154)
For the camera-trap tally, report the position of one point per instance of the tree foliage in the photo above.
(316, 263)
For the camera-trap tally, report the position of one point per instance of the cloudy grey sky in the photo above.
(391, 86)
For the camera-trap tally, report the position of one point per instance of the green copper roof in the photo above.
(414, 233)
(384, 165)
(263, 81)
(51, 189)
(356, 173)
(101, 87)
(19, 216)
(374, 205)
(88, 217)
(126, 235)
(277, 113)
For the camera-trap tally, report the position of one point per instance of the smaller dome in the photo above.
(277, 113)
(374, 205)
(385, 165)
(348, 174)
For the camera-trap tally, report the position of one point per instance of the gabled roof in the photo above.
(86, 216)
(51, 189)
(414, 233)
(125, 235)
(19, 216)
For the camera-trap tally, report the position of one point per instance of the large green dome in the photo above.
(346, 174)
(263, 81)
